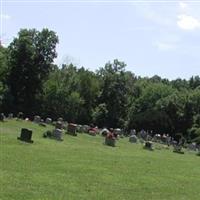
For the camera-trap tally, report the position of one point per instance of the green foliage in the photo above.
(194, 134)
(111, 96)
(158, 121)
(100, 115)
(151, 94)
(3, 75)
(29, 58)
(114, 92)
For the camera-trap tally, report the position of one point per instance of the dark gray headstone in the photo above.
(133, 139)
(26, 135)
(110, 141)
(148, 145)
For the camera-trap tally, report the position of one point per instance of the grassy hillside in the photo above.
(83, 168)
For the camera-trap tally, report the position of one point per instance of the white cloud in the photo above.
(6, 17)
(187, 22)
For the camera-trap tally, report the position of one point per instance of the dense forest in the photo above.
(109, 97)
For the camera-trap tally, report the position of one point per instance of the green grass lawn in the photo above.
(84, 168)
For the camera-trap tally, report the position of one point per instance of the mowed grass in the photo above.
(84, 168)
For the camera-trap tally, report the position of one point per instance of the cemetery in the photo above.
(94, 119)
(43, 167)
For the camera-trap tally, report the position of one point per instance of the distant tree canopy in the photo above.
(109, 97)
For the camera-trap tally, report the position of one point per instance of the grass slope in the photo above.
(83, 168)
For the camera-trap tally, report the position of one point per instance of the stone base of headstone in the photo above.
(57, 134)
(148, 145)
(110, 141)
(42, 124)
(26, 135)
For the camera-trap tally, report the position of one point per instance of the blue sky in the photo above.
(151, 37)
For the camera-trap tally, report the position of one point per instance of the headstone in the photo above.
(26, 135)
(20, 115)
(198, 154)
(148, 145)
(110, 140)
(10, 115)
(65, 125)
(47, 134)
(37, 119)
(58, 125)
(92, 132)
(192, 146)
(72, 129)
(143, 134)
(2, 117)
(118, 131)
(85, 128)
(57, 134)
(133, 132)
(104, 132)
(48, 120)
(178, 149)
(133, 139)
(79, 128)
(60, 119)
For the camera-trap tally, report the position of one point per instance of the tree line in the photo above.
(109, 97)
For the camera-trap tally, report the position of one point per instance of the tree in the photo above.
(114, 93)
(30, 57)
(3, 75)
(88, 87)
(194, 82)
